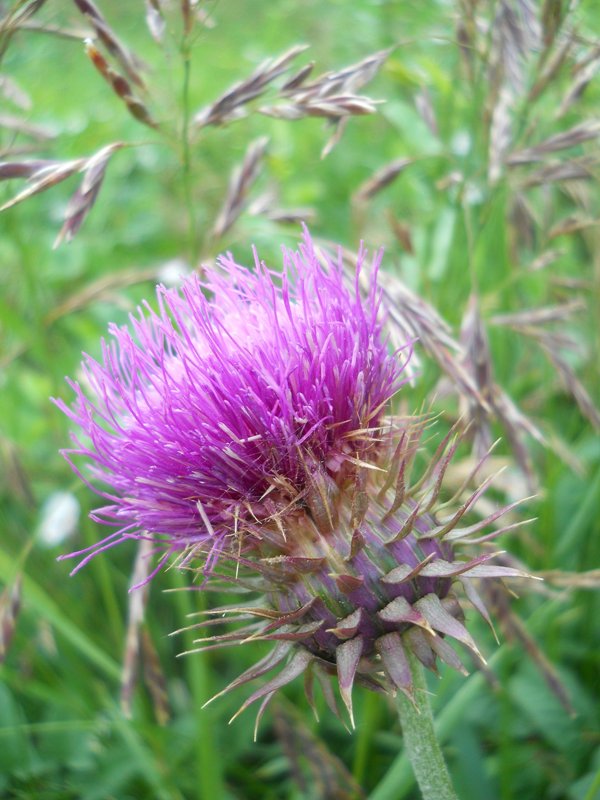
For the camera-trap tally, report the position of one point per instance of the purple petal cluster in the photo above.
(202, 416)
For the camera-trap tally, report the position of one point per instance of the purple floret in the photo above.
(236, 389)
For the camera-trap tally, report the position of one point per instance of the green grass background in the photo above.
(62, 732)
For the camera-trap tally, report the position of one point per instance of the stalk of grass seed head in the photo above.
(186, 150)
(250, 436)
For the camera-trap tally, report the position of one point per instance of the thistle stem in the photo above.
(422, 746)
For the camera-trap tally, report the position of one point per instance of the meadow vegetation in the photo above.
(460, 135)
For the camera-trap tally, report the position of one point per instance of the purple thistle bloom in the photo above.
(250, 431)
(198, 411)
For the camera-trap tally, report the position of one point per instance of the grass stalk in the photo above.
(186, 150)
(208, 759)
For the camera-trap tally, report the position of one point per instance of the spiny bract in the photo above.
(246, 425)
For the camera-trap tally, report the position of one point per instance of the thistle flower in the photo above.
(246, 425)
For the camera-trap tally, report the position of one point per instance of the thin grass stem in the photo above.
(186, 151)
(208, 759)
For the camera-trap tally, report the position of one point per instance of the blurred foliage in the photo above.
(458, 230)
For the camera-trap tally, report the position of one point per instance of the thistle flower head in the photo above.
(202, 417)
(246, 425)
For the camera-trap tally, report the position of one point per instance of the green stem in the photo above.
(186, 150)
(421, 743)
(364, 735)
(209, 760)
(399, 780)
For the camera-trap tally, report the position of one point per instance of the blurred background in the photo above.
(465, 141)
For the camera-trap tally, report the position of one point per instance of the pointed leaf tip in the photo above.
(441, 620)
(296, 666)
(348, 657)
(400, 610)
(395, 662)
